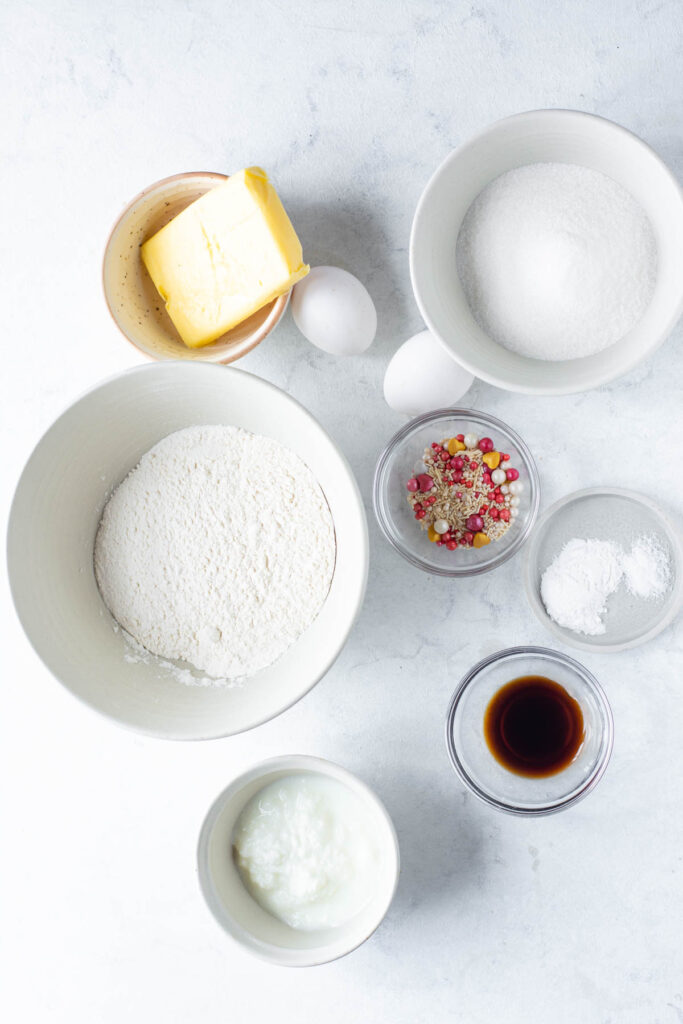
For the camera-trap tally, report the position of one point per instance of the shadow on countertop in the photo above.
(441, 840)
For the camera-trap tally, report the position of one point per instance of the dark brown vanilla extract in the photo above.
(533, 727)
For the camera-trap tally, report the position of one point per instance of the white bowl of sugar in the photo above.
(546, 253)
(58, 506)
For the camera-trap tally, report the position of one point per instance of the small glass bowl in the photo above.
(476, 765)
(402, 459)
(607, 513)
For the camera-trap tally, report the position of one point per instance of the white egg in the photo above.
(334, 311)
(422, 376)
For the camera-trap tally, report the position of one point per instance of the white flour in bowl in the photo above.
(218, 549)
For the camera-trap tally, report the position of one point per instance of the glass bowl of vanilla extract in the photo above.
(529, 731)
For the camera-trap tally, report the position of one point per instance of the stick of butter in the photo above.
(226, 255)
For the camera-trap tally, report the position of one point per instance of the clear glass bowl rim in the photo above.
(491, 422)
(606, 744)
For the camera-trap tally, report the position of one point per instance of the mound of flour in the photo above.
(218, 549)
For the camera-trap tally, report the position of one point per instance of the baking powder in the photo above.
(577, 583)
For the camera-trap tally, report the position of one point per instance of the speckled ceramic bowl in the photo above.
(133, 301)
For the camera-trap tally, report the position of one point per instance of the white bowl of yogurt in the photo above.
(298, 861)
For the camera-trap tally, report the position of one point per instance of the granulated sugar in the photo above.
(217, 550)
(557, 261)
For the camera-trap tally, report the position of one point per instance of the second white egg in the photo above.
(334, 311)
(422, 376)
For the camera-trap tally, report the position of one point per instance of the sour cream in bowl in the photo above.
(298, 861)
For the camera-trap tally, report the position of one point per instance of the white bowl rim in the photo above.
(164, 366)
(294, 763)
(481, 371)
(529, 567)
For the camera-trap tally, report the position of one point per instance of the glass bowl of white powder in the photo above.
(603, 571)
(545, 252)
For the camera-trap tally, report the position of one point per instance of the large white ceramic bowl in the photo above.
(237, 911)
(564, 136)
(54, 518)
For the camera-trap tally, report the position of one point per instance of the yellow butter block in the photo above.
(224, 257)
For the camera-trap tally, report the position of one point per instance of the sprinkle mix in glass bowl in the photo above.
(456, 492)
(469, 494)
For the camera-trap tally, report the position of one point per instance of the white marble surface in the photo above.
(350, 106)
